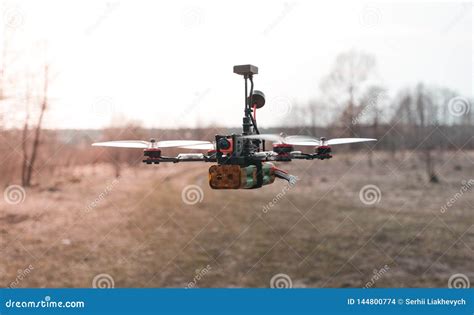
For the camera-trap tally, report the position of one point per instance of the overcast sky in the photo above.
(169, 64)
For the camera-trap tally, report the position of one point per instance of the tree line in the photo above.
(352, 102)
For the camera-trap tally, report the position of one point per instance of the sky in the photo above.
(169, 63)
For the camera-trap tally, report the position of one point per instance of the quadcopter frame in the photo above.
(242, 161)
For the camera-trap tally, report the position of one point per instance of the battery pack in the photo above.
(224, 176)
(237, 177)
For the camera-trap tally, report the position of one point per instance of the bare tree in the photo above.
(123, 128)
(24, 149)
(29, 164)
(423, 111)
(372, 105)
(347, 82)
(420, 112)
(3, 64)
(3, 71)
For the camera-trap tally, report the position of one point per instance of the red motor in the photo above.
(283, 151)
(152, 153)
(323, 152)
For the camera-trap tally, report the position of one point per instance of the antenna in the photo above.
(247, 71)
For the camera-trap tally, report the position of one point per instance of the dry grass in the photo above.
(319, 232)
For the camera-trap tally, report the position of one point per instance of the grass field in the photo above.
(139, 230)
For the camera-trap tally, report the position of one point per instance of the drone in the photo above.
(241, 161)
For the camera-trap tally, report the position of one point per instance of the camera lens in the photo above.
(223, 144)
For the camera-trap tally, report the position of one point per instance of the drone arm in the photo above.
(302, 156)
(182, 157)
(309, 156)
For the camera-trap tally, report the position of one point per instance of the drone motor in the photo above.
(284, 151)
